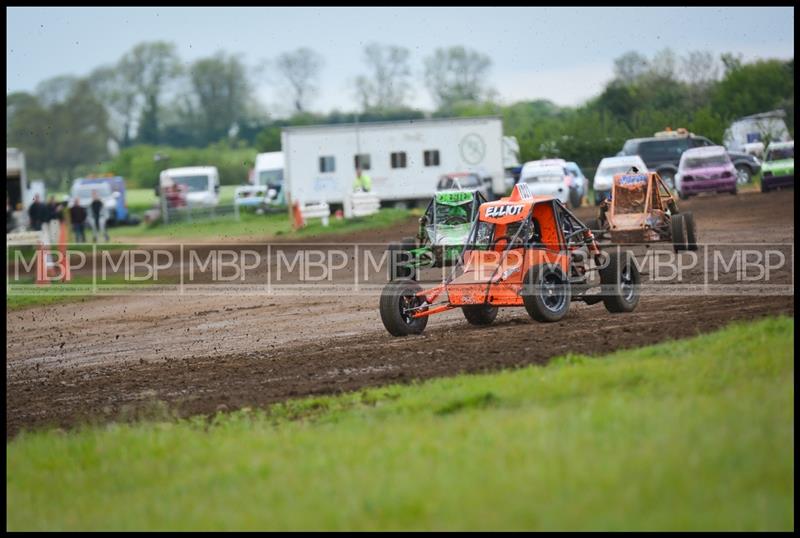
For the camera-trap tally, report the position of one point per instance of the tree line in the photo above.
(151, 99)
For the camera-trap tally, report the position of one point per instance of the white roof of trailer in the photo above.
(388, 124)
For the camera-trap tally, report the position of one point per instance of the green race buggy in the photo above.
(443, 229)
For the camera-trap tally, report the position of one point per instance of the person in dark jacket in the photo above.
(37, 214)
(98, 217)
(77, 215)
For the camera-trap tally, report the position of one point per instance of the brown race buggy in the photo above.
(524, 250)
(641, 210)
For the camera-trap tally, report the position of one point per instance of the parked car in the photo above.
(580, 184)
(548, 177)
(471, 181)
(778, 169)
(707, 169)
(608, 168)
(662, 154)
(111, 190)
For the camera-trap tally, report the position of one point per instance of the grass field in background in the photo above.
(263, 226)
(140, 200)
(693, 434)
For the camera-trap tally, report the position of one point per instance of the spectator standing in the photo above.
(363, 182)
(54, 217)
(77, 215)
(9, 215)
(38, 214)
(98, 216)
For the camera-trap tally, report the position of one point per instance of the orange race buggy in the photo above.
(642, 209)
(523, 250)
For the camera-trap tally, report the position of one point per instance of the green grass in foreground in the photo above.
(252, 225)
(693, 434)
(78, 289)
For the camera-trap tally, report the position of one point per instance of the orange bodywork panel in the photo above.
(495, 276)
(507, 275)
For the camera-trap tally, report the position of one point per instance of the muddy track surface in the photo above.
(111, 358)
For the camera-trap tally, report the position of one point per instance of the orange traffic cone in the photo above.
(298, 216)
(41, 266)
(66, 275)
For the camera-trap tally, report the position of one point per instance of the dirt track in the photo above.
(108, 358)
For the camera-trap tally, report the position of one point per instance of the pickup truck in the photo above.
(662, 154)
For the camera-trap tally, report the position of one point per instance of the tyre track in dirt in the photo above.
(204, 354)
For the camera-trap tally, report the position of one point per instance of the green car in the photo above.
(443, 229)
(778, 168)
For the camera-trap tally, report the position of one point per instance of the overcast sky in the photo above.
(562, 54)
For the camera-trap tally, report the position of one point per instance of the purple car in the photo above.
(706, 169)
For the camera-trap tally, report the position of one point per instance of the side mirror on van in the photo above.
(158, 190)
(216, 188)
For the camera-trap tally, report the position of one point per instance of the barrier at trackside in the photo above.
(362, 204)
(312, 211)
(45, 265)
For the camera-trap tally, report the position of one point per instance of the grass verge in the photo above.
(79, 289)
(692, 434)
(261, 226)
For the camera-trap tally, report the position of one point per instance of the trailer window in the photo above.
(431, 157)
(362, 161)
(399, 159)
(327, 164)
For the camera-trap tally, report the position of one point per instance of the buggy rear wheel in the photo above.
(678, 228)
(480, 314)
(396, 298)
(620, 280)
(546, 293)
(691, 233)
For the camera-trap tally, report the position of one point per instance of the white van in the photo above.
(268, 173)
(201, 182)
(547, 176)
(608, 168)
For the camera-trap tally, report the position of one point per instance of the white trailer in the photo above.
(17, 187)
(750, 132)
(405, 159)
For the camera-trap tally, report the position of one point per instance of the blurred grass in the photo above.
(140, 200)
(78, 289)
(695, 434)
(261, 226)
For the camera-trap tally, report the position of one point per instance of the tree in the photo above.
(150, 67)
(386, 86)
(61, 137)
(699, 68)
(300, 70)
(456, 74)
(629, 67)
(114, 87)
(731, 62)
(55, 89)
(664, 65)
(222, 89)
(755, 87)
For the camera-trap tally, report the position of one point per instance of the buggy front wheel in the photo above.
(398, 303)
(620, 281)
(678, 228)
(691, 232)
(480, 314)
(546, 293)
